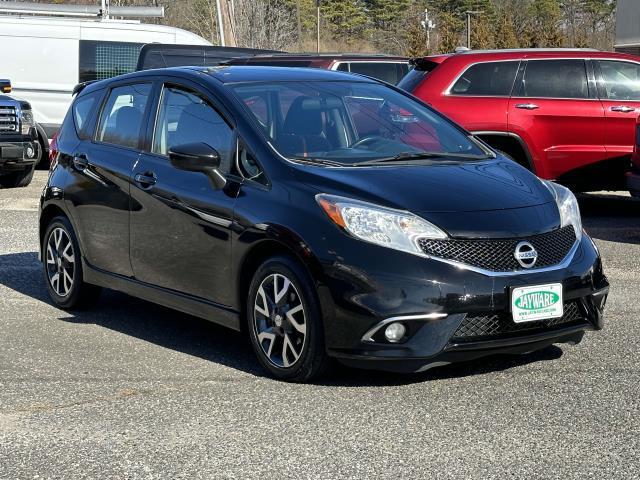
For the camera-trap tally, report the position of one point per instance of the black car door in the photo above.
(102, 163)
(181, 220)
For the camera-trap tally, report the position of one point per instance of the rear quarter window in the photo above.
(83, 110)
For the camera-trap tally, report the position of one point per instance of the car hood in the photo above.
(489, 198)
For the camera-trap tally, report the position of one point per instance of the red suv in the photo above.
(568, 115)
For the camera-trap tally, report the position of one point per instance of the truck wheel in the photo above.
(43, 151)
(17, 179)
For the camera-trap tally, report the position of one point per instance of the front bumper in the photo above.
(18, 155)
(445, 296)
(633, 181)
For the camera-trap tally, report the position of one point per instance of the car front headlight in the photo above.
(383, 226)
(26, 122)
(567, 206)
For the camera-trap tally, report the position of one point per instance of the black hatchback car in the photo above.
(328, 215)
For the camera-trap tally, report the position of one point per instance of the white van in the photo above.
(46, 57)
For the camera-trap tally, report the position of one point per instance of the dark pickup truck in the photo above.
(19, 149)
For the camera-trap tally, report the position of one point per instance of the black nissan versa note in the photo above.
(328, 214)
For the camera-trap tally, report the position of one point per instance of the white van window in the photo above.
(100, 60)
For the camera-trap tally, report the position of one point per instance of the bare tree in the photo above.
(264, 24)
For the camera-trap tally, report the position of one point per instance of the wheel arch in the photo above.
(49, 212)
(511, 144)
(263, 250)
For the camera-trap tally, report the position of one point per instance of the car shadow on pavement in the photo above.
(611, 217)
(170, 329)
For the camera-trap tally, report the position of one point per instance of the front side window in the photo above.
(100, 60)
(350, 122)
(491, 79)
(185, 117)
(555, 79)
(122, 117)
(620, 80)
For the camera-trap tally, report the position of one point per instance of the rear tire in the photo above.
(62, 266)
(285, 322)
(18, 179)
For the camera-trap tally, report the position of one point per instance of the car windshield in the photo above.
(350, 123)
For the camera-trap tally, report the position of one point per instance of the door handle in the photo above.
(81, 162)
(145, 180)
(623, 109)
(527, 106)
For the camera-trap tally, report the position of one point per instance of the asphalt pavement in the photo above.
(133, 390)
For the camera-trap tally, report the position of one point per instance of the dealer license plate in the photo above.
(539, 302)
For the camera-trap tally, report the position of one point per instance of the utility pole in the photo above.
(225, 24)
(318, 25)
(220, 23)
(299, 25)
(469, 13)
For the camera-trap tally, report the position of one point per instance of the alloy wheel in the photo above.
(279, 320)
(60, 258)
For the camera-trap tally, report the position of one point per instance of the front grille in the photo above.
(498, 255)
(8, 119)
(476, 328)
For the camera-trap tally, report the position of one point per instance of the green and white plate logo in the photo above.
(537, 302)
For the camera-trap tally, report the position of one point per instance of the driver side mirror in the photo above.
(198, 157)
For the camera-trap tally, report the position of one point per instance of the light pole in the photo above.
(428, 25)
(469, 13)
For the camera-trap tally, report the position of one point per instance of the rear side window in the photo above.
(83, 109)
(100, 60)
(491, 78)
(620, 80)
(555, 79)
(390, 72)
(123, 114)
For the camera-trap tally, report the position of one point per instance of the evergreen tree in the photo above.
(346, 19)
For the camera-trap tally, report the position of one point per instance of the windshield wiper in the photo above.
(402, 156)
(317, 161)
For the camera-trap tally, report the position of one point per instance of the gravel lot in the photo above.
(133, 390)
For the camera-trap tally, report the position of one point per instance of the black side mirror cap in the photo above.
(198, 157)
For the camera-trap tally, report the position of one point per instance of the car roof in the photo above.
(235, 74)
(246, 73)
(522, 53)
(328, 56)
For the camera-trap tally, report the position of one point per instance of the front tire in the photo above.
(18, 179)
(285, 322)
(63, 267)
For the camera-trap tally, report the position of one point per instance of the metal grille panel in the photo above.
(478, 327)
(8, 119)
(498, 255)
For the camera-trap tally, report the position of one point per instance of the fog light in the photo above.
(395, 332)
(30, 152)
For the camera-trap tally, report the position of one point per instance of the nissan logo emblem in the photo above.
(526, 254)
